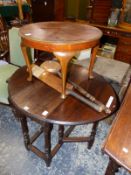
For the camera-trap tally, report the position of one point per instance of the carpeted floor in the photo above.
(72, 158)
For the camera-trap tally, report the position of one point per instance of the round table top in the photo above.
(43, 104)
(61, 34)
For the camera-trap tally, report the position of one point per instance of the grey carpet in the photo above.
(72, 158)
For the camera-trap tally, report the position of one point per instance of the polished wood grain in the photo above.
(60, 36)
(118, 142)
(42, 104)
(38, 97)
(64, 39)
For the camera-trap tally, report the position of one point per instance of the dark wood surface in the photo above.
(100, 11)
(118, 142)
(59, 10)
(48, 10)
(42, 10)
(39, 97)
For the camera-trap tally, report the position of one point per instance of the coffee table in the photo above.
(63, 39)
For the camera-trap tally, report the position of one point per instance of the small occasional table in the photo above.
(63, 39)
(42, 104)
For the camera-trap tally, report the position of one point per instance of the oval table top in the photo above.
(42, 103)
(60, 36)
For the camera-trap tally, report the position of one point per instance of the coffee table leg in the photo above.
(92, 136)
(27, 60)
(92, 61)
(47, 133)
(25, 131)
(64, 58)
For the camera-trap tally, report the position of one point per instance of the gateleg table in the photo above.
(42, 104)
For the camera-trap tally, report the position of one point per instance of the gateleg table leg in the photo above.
(92, 136)
(61, 134)
(47, 134)
(25, 131)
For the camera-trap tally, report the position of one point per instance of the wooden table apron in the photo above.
(64, 39)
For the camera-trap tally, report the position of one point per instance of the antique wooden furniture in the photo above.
(99, 13)
(123, 37)
(59, 38)
(42, 104)
(47, 10)
(118, 142)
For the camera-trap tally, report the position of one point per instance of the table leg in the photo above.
(61, 134)
(64, 58)
(25, 131)
(47, 133)
(112, 167)
(92, 61)
(27, 60)
(92, 136)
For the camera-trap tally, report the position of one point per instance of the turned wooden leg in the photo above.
(92, 136)
(25, 131)
(20, 117)
(27, 60)
(92, 61)
(64, 58)
(112, 167)
(61, 133)
(47, 133)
